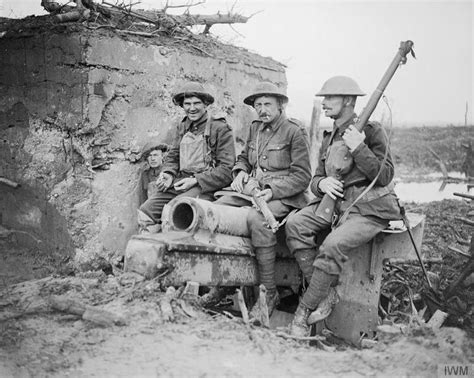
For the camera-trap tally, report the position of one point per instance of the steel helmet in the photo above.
(340, 86)
(191, 89)
(151, 146)
(265, 88)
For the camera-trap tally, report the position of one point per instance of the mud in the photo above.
(46, 344)
(35, 341)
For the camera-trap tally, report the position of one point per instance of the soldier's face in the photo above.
(268, 108)
(333, 106)
(194, 108)
(155, 158)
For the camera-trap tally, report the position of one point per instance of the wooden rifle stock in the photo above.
(264, 209)
(327, 205)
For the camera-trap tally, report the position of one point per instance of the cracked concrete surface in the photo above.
(75, 103)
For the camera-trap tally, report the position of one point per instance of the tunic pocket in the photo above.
(279, 156)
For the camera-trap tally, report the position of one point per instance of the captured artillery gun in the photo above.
(209, 243)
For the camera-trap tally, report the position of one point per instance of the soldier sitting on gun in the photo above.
(357, 158)
(275, 160)
(200, 160)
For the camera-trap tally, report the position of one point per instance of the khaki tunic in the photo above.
(366, 218)
(283, 157)
(221, 153)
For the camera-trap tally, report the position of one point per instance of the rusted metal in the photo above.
(360, 282)
(217, 259)
(190, 214)
(225, 260)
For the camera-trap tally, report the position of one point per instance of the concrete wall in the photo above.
(75, 105)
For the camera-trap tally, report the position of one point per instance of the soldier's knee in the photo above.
(292, 225)
(145, 208)
(329, 245)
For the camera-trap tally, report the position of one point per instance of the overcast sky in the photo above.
(319, 39)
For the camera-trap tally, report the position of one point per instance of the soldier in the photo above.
(276, 158)
(152, 153)
(200, 160)
(363, 153)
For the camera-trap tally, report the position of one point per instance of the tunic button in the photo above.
(264, 157)
(264, 169)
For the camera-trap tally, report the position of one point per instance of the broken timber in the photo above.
(159, 18)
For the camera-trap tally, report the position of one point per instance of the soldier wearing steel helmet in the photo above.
(360, 157)
(276, 158)
(199, 161)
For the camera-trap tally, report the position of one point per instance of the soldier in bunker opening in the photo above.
(152, 153)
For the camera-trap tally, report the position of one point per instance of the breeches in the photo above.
(260, 234)
(153, 207)
(303, 228)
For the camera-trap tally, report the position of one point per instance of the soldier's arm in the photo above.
(217, 177)
(242, 162)
(171, 161)
(320, 172)
(299, 169)
(369, 156)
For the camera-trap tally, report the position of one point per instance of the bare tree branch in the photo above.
(122, 15)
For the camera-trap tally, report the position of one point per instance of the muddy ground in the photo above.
(38, 342)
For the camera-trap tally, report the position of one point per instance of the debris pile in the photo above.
(103, 300)
(124, 19)
(450, 301)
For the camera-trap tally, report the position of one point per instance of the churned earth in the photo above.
(38, 342)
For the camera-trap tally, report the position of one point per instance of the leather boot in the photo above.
(272, 299)
(299, 326)
(325, 307)
(261, 312)
(305, 259)
(318, 288)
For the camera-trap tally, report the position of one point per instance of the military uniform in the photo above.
(277, 156)
(366, 218)
(148, 187)
(203, 149)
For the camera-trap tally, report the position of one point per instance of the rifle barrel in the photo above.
(400, 57)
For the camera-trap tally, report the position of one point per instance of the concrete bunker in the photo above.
(77, 106)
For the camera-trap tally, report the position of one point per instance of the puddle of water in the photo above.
(428, 191)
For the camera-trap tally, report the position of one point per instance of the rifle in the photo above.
(326, 207)
(262, 205)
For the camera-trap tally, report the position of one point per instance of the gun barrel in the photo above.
(190, 214)
(400, 58)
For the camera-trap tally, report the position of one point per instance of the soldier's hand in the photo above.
(332, 187)
(239, 182)
(185, 184)
(353, 138)
(164, 181)
(266, 194)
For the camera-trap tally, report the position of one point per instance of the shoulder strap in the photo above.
(207, 133)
